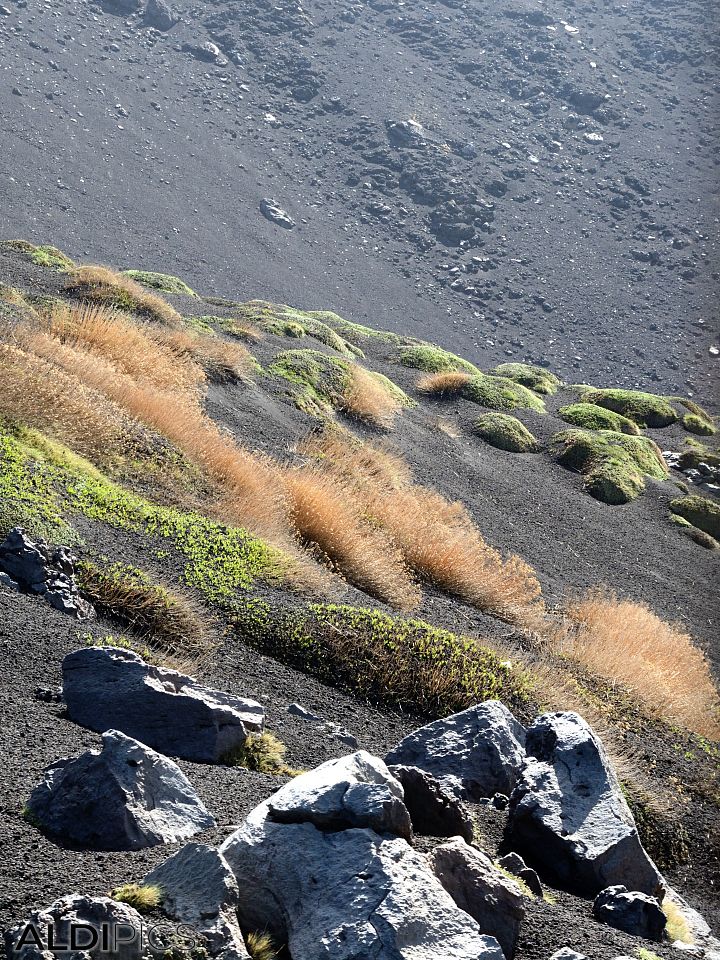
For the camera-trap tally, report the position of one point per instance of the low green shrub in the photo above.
(506, 432)
(164, 282)
(261, 752)
(589, 416)
(695, 424)
(700, 512)
(646, 409)
(143, 897)
(500, 393)
(431, 359)
(535, 378)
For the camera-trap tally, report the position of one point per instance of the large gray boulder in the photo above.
(632, 912)
(480, 889)
(472, 754)
(120, 925)
(124, 797)
(433, 811)
(199, 889)
(108, 687)
(160, 15)
(355, 791)
(568, 816)
(334, 891)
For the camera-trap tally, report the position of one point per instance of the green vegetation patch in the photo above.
(646, 409)
(407, 663)
(280, 320)
(700, 512)
(45, 485)
(613, 465)
(354, 333)
(319, 382)
(162, 282)
(143, 897)
(500, 393)
(44, 255)
(535, 378)
(696, 452)
(261, 752)
(506, 432)
(432, 359)
(589, 416)
(699, 425)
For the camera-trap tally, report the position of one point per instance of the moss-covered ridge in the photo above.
(506, 432)
(162, 282)
(44, 255)
(534, 378)
(589, 416)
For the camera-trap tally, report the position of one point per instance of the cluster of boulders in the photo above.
(327, 864)
(700, 474)
(33, 566)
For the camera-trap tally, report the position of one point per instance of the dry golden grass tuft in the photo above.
(328, 519)
(102, 285)
(368, 399)
(221, 360)
(625, 641)
(447, 384)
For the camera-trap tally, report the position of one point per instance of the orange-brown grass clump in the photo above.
(328, 519)
(222, 360)
(444, 385)
(625, 641)
(105, 286)
(368, 399)
(37, 394)
(437, 538)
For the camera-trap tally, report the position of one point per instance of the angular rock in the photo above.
(124, 797)
(565, 953)
(121, 924)
(568, 816)
(160, 15)
(354, 791)
(108, 687)
(200, 889)
(433, 812)
(273, 212)
(514, 864)
(207, 52)
(480, 889)
(633, 912)
(347, 894)
(37, 568)
(472, 754)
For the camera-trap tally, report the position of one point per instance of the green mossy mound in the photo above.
(279, 320)
(696, 453)
(499, 393)
(613, 465)
(646, 409)
(431, 359)
(535, 378)
(700, 512)
(162, 282)
(354, 333)
(44, 255)
(699, 425)
(506, 433)
(591, 417)
(318, 382)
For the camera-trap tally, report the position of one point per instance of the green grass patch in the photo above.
(700, 512)
(354, 333)
(591, 417)
(535, 378)
(143, 897)
(261, 752)
(613, 465)
(696, 424)
(318, 382)
(403, 662)
(44, 255)
(431, 359)
(280, 320)
(505, 432)
(162, 282)
(646, 409)
(500, 393)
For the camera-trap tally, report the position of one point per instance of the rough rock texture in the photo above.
(160, 15)
(121, 923)
(633, 912)
(124, 797)
(38, 568)
(107, 687)
(433, 811)
(473, 754)
(480, 889)
(568, 816)
(273, 212)
(567, 954)
(354, 791)
(200, 889)
(345, 893)
(514, 864)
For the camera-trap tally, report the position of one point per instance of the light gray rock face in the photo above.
(121, 925)
(480, 889)
(199, 889)
(635, 913)
(124, 797)
(110, 688)
(160, 15)
(433, 811)
(567, 954)
(568, 816)
(273, 212)
(472, 754)
(346, 892)
(354, 791)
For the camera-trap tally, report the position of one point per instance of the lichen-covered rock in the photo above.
(568, 816)
(124, 797)
(473, 754)
(111, 688)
